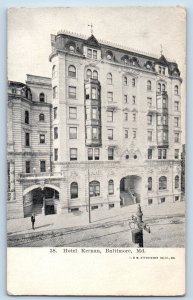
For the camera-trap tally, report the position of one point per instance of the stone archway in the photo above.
(130, 190)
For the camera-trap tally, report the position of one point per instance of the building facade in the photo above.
(104, 130)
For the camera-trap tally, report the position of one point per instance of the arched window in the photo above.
(176, 90)
(149, 184)
(159, 87)
(163, 87)
(41, 117)
(95, 74)
(53, 71)
(177, 182)
(109, 78)
(111, 187)
(71, 71)
(42, 97)
(125, 80)
(74, 190)
(163, 183)
(26, 117)
(148, 85)
(88, 74)
(94, 188)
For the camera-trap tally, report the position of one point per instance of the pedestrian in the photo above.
(33, 220)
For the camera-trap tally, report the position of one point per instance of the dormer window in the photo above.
(71, 48)
(89, 53)
(109, 56)
(94, 54)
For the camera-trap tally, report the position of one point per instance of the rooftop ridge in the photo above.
(79, 35)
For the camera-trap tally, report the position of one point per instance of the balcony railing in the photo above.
(40, 175)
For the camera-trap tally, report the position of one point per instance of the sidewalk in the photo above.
(53, 222)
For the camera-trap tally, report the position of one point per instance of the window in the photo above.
(42, 166)
(88, 74)
(110, 96)
(176, 153)
(177, 182)
(109, 56)
(149, 153)
(96, 153)
(176, 90)
(26, 117)
(72, 113)
(90, 154)
(72, 71)
(176, 106)
(159, 120)
(110, 153)
(55, 112)
(148, 85)
(165, 104)
(176, 121)
(149, 184)
(163, 87)
(41, 117)
(93, 95)
(126, 134)
(72, 92)
(165, 120)
(109, 116)
(87, 113)
(162, 200)
(27, 166)
(163, 70)
(95, 74)
(176, 198)
(149, 120)
(149, 102)
(72, 132)
(125, 80)
(94, 133)
(89, 53)
(133, 81)
(133, 100)
(159, 87)
(72, 48)
(54, 71)
(73, 153)
(55, 92)
(176, 137)
(42, 138)
(94, 188)
(134, 117)
(150, 201)
(134, 134)
(109, 78)
(162, 153)
(149, 136)
(42, 97)
(27, 139)
(56, 154)
(94, 54)
(125, 98)
(163, 183)
(111, 187)
(126, 116)
(110, 134)
(73, 190)
(94, 113)
(55, 133)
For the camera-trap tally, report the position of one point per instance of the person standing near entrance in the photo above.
(33, 220)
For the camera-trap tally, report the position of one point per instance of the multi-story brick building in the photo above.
(105, 128)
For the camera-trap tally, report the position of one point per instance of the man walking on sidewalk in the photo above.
(33, 220)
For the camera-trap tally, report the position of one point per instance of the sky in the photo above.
(140, 28)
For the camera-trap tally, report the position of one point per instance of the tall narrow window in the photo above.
(109, 78)
(53, 71)
(90, 154)
(110, 153)
(42, 166)
(56, 154)
(55, 112)
(134, 134)
(96, 153)
(176, 90)
(110, 134)
(163, 183)
(41, 117)
(42, 138)
(94, 93)
(133, 82)
(94, 113)
(111, 187)
(94, 133)
(26, 117)
(149, 183)
(149, 102)
(94, 54)
(72, 92)
(95, 74)
(55, 133)
(149, 119)
(148, 85)
(73, 153)
(72, 113)
(126, 133)
(125, 80)
(176, 153)
(176, 137)
(94, 188)
(133, 100)
(27, 166)
(165, 103)
(27, 139)
(74, 190)
(109, 116)
(55, 92)
(88, 74)
(176, 106)
(42, 97)
(149, 153)
(149, 136)
(125, 98)
(89, 53)
(176, 121)
(72, 71)
(110, 96)
(73, 132)
(177, 182)
(163, 87)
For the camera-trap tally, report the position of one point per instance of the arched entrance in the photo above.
(40, 201)
(130, 190)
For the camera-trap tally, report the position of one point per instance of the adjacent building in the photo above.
(105, 129)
